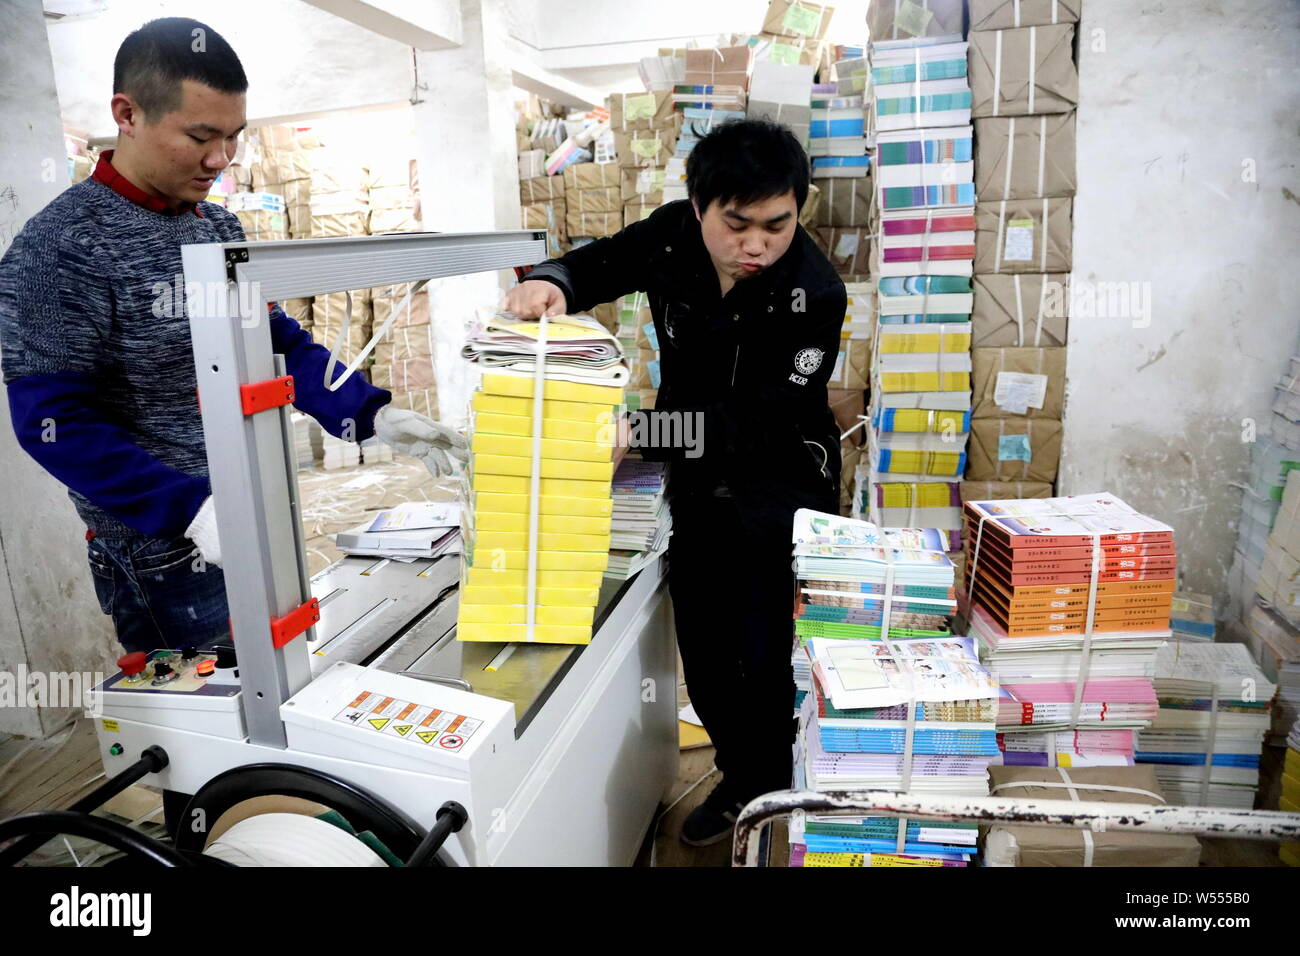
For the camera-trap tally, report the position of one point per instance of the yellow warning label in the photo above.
(379, 722)
(428, 736)
(111, 725)
(403, 730)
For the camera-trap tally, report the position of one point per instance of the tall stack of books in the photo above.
(642, 523)
(1069, 599)
(894, 700)
(582, 388)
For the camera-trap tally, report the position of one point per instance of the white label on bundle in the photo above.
(912, 18)
(1019, 245)
(1016, 392)
(847, 245)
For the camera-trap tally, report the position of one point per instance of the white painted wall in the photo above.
(49, 618)
(1183, 93)
(300, 61)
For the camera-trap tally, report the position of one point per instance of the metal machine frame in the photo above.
(252, 476)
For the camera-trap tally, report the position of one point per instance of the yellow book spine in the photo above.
(554, 597)
(546, 524)
(586, 412)
(521, 386)
(508, 484)
(518, 633)
(512, 465)
(547, 505)
(894, 344)
(490, 423)
(546, 560)
(553, 449)
(925, 381)
(518, 541)
(503, 579)
(518, 614)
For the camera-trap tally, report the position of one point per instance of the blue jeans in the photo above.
(158, 592)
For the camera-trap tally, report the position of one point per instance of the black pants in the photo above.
(733, 593)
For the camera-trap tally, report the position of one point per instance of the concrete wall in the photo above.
(49, 618)
(1187, 139)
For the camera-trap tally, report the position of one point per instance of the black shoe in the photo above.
(713, 820)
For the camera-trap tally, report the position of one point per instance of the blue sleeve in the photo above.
(355, 402)
(57, 423)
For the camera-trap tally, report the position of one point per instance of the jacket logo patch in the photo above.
(808, 361)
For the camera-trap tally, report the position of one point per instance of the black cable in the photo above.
(48, 823)
(451, 816)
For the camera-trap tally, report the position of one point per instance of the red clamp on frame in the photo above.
(285, 629)
(261, 396)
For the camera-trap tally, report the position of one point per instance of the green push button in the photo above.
(115, 750)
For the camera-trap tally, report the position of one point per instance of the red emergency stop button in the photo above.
(133, 663)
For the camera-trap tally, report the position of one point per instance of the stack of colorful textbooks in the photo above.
(642, 523)
(1069, 599)
(574, 508)
(1206, 739)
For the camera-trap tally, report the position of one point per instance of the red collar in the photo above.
(110, 177)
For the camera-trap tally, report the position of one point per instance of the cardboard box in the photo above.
(811, 207)
(551, 216)
(1004, 490)
(598, 199)
(633, 111)
(720, 66)
(404, 375)
(848, 249)
(852, 369)
(422, 400)
(851, 457)
(403, 342)
(263, 225)
(803, 51)
(903, 19)
(1017, 381)
(386, 299)
(593, 224)
(541, 189)
(532, 163)
(636, 211)
(798, 19)
(337, 226)
(299, 310)
(1020, 310)
(844, 202)
(1040, 846)
(643, 185)
(1048, 84)
(1008, 14)
(1024, 235)
(1020, 157)
(381, 221)
(650, 147)
(1013, 449)
(591, 175)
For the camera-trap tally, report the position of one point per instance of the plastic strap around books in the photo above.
(1072, 785)
(1015, 7)
(1042, 150)
(1042, 249)
(1042, 302)
(1020, 312)
(997, 249)
(1033, 66)
(1051, 748)
(535, 478)
(905, 665)
(1011, 153)
(916, 81)
(997, 72)
(1208, 769)
(335, 385)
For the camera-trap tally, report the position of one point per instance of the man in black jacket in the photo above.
(748, 313)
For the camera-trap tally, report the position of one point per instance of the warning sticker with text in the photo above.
(419, 723)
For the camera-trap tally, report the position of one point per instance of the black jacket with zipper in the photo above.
(750, 366)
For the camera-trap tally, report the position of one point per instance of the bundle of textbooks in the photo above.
(1206, 738)
(573, 509)
(1069, 600)
(642, 522)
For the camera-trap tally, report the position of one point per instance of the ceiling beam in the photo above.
(423, 24)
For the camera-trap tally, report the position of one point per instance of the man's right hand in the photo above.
(534, 298)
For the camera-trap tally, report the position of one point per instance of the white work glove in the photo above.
(203, 532)
(421, 437)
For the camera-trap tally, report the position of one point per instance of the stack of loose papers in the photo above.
(642, 522)
(1214, 700)
(411, 530)
(578, 348)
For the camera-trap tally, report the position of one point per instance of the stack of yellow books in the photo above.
(574, 507)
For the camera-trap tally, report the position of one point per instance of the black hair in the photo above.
(746, 161)
(152, 61)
